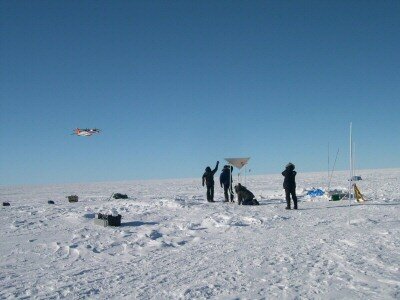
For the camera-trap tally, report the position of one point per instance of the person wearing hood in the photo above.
(245, 197)
(289, 184)
(208, 180)
(225, 179)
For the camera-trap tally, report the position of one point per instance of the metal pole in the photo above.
(333, 168)
(245, 175)
(230, 182)
(351, 169)
(354, 159)
(351, 164)
(328, 170)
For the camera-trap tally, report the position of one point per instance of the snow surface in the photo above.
(175, 245)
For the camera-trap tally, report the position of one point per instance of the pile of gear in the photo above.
(120, 196)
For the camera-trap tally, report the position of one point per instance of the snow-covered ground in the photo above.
(175, 245)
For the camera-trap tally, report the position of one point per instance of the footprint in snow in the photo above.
(95, 250)
(155, 235)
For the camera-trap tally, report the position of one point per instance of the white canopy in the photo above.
(238, 162)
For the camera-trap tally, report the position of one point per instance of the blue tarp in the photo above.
(315, 192)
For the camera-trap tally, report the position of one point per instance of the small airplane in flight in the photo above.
(86, 131)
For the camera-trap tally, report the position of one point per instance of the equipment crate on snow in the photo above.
(107, 220)
(114, 220)
(73, 198)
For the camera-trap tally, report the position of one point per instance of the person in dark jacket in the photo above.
(208, 179)
(245, 197)
(289, 184)
(225, 179)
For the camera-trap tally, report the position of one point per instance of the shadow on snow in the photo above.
(137, 223)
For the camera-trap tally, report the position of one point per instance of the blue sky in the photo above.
(177, 85)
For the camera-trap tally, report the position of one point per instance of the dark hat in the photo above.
(290, 165)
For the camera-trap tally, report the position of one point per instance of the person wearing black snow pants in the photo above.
(225, 179)
(289, 184)
(208, 179)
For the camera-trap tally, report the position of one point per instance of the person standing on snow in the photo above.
(225, 180)
(289, 184)
(208, 179)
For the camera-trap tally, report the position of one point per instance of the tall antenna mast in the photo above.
(354, 159)
(351, 164)
(333, 168)
(328, 168)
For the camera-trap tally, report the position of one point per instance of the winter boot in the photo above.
(287, 202)
(295, 202)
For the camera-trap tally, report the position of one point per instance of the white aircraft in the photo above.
(86, 131)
